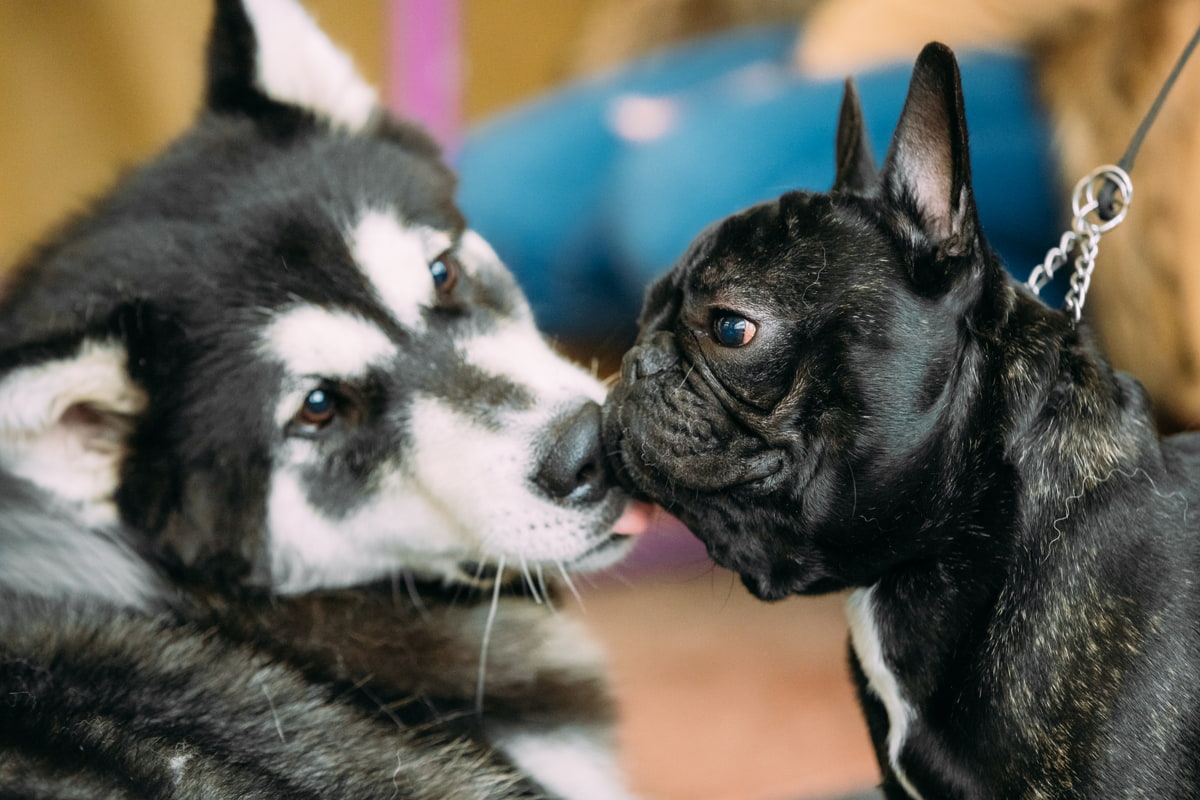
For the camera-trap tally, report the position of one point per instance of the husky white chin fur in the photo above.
(275, 363)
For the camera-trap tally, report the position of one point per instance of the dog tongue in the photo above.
(638, 518)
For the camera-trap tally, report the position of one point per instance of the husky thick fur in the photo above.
(286, 469)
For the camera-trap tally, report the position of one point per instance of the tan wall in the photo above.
(89, 86)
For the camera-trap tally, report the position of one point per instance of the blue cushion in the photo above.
(587, 210)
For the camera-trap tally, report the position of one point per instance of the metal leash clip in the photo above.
(1100, 202)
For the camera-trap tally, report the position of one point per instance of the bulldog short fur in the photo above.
(844, 391)
(286, 469)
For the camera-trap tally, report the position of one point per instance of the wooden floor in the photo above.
(723, 697)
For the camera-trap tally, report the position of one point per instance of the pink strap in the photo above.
(424, 64)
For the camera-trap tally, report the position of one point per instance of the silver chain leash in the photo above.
(1083, 239)
(1100, 202)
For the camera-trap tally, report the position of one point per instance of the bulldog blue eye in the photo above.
(445, 269)
(730, 330)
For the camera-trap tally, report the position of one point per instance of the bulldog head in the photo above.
(805, 392)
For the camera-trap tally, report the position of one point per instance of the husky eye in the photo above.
(731, 330)
(318, 409)
(445, 269)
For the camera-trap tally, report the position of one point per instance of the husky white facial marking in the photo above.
(313, 343)
(864, 635)
(513, 518)
(396, 259)
(309, 340)
(61, 424)
(476, 250)
(517, 352)
(477, 254)
(399, 528)
(298, 64)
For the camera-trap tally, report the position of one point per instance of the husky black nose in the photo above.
(573, 467)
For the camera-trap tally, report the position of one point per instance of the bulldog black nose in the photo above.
(648, 359)
(573, 468)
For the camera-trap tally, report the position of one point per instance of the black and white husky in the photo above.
(283, 460)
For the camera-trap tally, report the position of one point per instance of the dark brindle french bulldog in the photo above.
(844, 391)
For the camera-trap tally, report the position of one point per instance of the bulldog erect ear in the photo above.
(268, 59)
(856, 170)
(928, 164)
(66, 411)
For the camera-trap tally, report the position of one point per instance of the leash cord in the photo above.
(1106, 211)
(1104, 193)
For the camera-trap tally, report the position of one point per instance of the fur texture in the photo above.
(844, 391)
(284, 467)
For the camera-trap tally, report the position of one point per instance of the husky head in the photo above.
(277, 351)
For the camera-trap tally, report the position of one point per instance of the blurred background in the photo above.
(594, 139)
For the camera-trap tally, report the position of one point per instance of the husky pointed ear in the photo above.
(928, 163)
(268, 58)
(856, 170)
(67, 408)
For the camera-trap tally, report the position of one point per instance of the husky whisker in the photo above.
(385, 708)
(414, 594)
(274, 712)
(537, 598)
(570, 583)
(487, 636)
(541, 576)
(396, 774)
